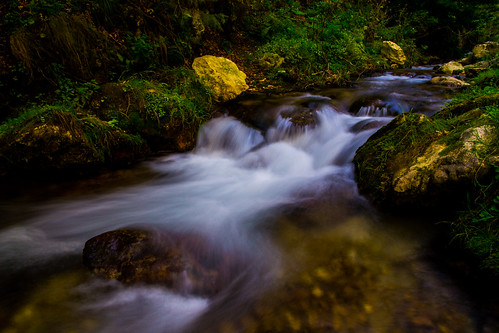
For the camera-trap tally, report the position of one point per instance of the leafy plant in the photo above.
(75, 94)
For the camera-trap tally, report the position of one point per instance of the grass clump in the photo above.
(478, 226)
(57, 137)
(172, 99)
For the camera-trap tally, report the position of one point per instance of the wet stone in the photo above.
(151, 256)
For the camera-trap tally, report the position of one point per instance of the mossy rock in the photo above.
(54, 141)
(452, 68)
(448, 81)
(420, 162)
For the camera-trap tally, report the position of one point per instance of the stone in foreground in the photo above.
(132, 255)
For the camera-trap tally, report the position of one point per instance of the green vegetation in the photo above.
(478, 226)
(111, 66)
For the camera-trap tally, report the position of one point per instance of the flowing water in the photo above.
(278, 199)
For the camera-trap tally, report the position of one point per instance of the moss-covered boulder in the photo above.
(393, 53)
(473, 70)
(221, 75)
(51, 140)
(185, 263)
(490, 49)
(421, 162)
(448, 81)
(452, 68)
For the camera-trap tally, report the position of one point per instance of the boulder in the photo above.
(151, 256)
(422, 163)
(475, 69)
(480, 51)
(393, 53)
(452, 68)
(59, 143)
(448, 81)
(221, 75)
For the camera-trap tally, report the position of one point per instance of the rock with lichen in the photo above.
(393, 53)
(221, 75)
(53, 142)
(452, 68)
(490, 49)
(427, 162)
(448, 81)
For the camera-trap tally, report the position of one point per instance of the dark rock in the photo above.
(366, 125)
(184, 262)
(303, 117)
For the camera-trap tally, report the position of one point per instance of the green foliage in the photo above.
(174, 99)
(449, 28)
(486, 83)
(327, 41)
(75, 94)
(26, 13)
(104, 138)
(165, 104)
(142, 54)
(32, 114)
(478, 226)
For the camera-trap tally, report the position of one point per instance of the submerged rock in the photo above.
(222, 76)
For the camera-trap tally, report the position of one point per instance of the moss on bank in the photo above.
(56, 139)
(90, 127)
(447, 164)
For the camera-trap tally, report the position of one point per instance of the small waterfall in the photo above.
(227, 135)
(374, 111)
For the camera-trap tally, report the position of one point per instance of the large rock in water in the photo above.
(185, 263)
(420, 162)
(452, 68)
(448, 81)
(221, 75)
(393, 53)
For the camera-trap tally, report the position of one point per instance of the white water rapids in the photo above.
(232, 189)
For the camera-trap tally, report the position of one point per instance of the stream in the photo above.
(277, 198)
